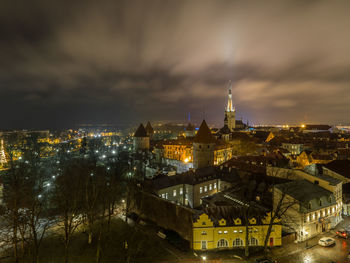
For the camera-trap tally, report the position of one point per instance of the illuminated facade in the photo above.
(311, 214)
(211, 234)
(180, 150)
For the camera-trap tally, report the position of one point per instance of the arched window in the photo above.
(253, 242)
(238, 242)
(222, 243)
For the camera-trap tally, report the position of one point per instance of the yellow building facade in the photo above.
(183, 151)
(208, 235)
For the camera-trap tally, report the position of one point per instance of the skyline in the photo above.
(63, 63)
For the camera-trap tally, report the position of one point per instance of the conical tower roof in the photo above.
(141, 131)
(149, 128)
(204, 134)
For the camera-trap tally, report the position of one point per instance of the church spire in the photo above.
(230, 107)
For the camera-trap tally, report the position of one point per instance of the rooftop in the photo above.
(141, 131)
(204, 134)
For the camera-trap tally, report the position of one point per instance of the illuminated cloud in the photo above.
(122, 61)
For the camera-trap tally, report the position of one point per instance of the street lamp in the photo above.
(204, 258)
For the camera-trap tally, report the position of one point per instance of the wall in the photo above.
(164, 213)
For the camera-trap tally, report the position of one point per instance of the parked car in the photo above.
(326, 241)
(265, 260)
(343, 233)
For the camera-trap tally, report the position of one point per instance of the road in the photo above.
(318, 254)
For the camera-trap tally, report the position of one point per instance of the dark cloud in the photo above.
(68, 62)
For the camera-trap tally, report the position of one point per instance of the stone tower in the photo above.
(149, 130)
(230, 113)
(203, 147)
(141, 139)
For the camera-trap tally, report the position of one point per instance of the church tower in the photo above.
(230, 113)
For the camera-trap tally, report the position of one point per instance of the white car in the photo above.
(326, 241)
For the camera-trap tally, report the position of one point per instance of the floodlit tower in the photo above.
(230, 113)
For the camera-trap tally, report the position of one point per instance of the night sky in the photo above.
(65, 63)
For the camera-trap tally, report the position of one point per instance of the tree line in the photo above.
(60, 194)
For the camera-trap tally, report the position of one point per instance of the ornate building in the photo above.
(230, 113)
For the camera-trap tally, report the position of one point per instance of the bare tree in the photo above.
(67, 200)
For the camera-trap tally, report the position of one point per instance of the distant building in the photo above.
(190, 130)
(315, 128)
(141, 140)
(293, 148)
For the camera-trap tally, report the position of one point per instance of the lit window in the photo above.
(333, 210)
(313, 216)
(205, 188)
(225, 232)
(234, 231)
(181, 191)
(214, 185)
(241, 231)
(166, 195)
(200, 190)
(308, 218)
(253, 242)
(204, 233)
(222, 243)
(163, 195)
(210, 187)
(174, 192)
(220, 232)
